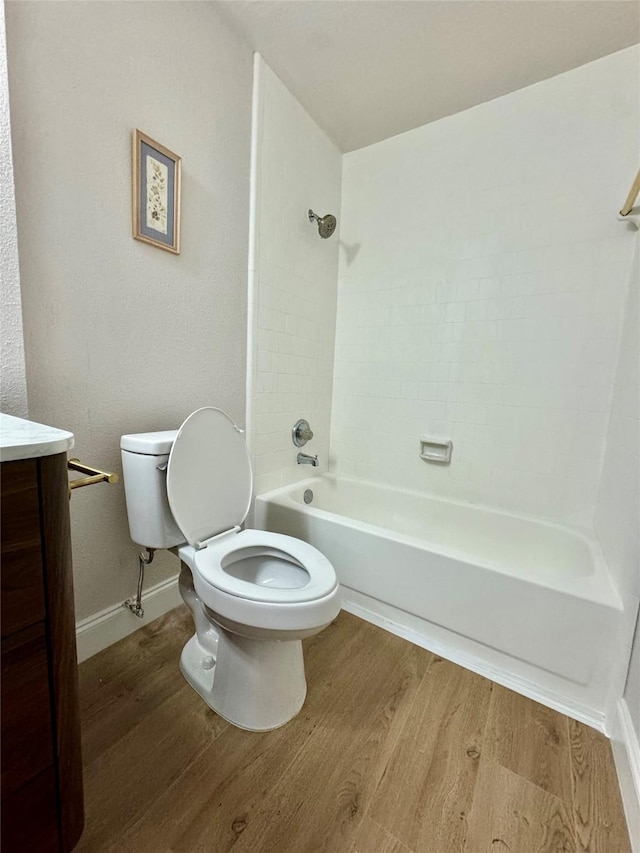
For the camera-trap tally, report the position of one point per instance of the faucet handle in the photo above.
(301, 433)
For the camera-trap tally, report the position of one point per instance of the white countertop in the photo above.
(20, 439)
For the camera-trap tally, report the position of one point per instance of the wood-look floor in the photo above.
(395, 751)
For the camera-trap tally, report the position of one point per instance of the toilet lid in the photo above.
(209, 477)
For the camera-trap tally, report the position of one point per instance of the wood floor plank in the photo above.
(383, 758)
(320, 798)
(122, 664)
(427, 789)
(121, 709)
(214, 800)
(373, 838)
(597, 805)
(531, 740)
(128, 777)
(138, 673)
(207, 807)
(512, 815)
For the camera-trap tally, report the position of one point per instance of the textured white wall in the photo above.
(294, 288)
(13, 384)
(120, 336)
(481, 295)
(618, 510)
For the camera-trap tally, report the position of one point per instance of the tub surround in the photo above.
(293, 283)
(23, 439)
(495, 324)
(494, 321)
(616, 525)
(527, 603)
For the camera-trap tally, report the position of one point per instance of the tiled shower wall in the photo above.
(618, 508)
(294, 276)
(481, 288)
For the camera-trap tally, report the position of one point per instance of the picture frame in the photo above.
(156, 193)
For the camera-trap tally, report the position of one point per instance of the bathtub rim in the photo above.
(596, 586)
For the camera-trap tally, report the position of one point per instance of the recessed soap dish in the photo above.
(434, 450)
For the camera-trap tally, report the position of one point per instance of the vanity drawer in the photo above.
(21, 580)
(26, 709)
(29, 817)
(41, 762)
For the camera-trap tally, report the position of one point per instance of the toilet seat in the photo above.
(212, 564)
(209, 486)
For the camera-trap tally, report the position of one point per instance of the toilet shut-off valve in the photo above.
(135, 604)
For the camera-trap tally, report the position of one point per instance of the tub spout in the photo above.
(305, 459)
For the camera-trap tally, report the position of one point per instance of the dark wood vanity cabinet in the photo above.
(41, 766)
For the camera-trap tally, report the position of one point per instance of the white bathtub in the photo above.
(527, 603)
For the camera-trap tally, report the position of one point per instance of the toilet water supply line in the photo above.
(135, 605)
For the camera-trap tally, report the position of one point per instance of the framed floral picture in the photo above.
(156, 193)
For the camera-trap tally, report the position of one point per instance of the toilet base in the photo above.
(194, 665)
(256, 685)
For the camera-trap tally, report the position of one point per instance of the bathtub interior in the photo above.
(538, 551)
(532, 602)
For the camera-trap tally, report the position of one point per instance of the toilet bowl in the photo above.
(254, 595)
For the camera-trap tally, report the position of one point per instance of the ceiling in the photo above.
(369, 69)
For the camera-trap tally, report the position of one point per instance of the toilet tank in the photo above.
(144, 470)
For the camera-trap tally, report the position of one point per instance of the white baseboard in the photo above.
(101, 630)
(626, 754)
(452, 651)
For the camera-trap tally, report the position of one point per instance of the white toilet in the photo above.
(254, 595)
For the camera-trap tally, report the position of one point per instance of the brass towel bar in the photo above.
(634, 192)
(95, 475)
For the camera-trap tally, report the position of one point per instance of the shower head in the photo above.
(326, 224)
